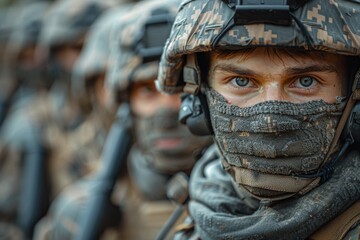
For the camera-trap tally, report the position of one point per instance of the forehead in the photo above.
(277, 55)
(274, 53)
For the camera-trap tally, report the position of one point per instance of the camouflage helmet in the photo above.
(138, 43)
(69, 20)
(94, 59)
(205, 25)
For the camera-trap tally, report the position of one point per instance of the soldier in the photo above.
(277, 82)
(88, 88)
(22, 78)
(162, 147)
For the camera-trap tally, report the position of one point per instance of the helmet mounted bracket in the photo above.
(156, 32)
(262, 11)
(194, 110)
(277, 12)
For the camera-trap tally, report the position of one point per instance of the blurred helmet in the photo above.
(20, 49)
(203, 26)
(137, 45)
(68, 21)
(94, 58)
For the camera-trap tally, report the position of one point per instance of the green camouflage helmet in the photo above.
(205, 25)
(68, 20)
(138, 43)
(94, 58)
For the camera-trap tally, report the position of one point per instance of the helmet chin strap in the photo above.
(354, 97)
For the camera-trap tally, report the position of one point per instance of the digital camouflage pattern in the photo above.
(128, 64)
(332, 26)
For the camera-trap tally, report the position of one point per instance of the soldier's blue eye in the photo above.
(241, 82)
(306, 81)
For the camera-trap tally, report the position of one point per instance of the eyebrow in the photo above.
(293, 70)
(234, 69)
(314, 68)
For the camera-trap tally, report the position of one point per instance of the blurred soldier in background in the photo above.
(63, 41)
(88, 87)
(40, 132)
(162, 147)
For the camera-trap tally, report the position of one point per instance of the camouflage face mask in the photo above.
(264, 147)
(170, 146)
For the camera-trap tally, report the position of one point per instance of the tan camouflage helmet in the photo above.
(205, 25)
(137, 45)
(69, 20)
(94, 58)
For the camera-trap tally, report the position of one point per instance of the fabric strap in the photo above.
(337, 228)
(355, 96)
(281, 183)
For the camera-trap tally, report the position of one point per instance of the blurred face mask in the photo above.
(170, 146)
(264, 146)
(28, 70)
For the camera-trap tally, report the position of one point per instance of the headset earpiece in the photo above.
(194, 113)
